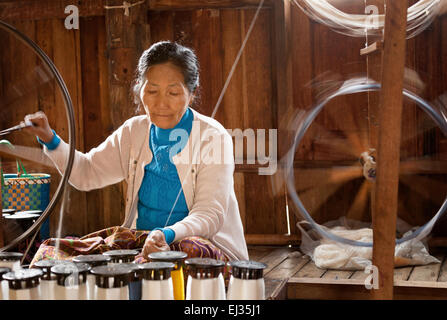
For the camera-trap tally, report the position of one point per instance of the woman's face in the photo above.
(164, 95)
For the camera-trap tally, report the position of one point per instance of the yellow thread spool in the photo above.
(178, 280)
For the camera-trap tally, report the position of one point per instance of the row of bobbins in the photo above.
(113, 276)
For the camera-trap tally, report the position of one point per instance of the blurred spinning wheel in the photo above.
(334, 169)
(39, 87)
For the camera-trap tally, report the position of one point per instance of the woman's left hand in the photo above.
(155, 242)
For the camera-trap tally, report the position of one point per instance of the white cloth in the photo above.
(334, 255)
(208, 185)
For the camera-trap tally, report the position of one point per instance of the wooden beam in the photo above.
(204, 4)
(272, 239)
(282, 87)
(329, 289)
(390, 117)
(48, 9)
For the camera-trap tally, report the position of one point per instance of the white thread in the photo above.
(419, 17)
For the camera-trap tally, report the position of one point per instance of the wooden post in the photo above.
(283, 99)
(384, 216)
(127, 37)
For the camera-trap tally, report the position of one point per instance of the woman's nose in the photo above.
(161, 101)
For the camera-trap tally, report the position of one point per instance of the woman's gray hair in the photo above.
(166, 51)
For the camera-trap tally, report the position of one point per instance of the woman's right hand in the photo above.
(40, 128)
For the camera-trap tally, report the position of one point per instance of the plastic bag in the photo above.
(329, 254)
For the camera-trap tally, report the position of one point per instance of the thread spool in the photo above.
(23, 284)
(111, 282)
(11, 260)
(48, 279)
(71, 281)
(157, 281)
(205, 279)
(246, 281)
(134, 281)
(93, 260)
(177, 258)
(121, 256)
(4, 284)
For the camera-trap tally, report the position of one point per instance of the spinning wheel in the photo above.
(23, 93)
(314, 183)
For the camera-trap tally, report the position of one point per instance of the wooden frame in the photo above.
(388, 156)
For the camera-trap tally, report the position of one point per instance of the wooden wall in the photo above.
(284, 53)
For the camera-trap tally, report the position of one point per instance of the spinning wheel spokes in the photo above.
(360, 202)
(318, 177)
(312, 188)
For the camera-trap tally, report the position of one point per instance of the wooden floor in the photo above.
(290, 275)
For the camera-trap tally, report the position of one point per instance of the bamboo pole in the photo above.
(390, 116)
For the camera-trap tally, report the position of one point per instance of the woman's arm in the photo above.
(101, 166)
(211, 195)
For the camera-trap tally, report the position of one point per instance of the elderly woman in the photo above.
(178, 165)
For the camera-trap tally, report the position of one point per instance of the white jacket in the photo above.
(208, 184)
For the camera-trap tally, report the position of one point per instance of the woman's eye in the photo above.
(152, 92)
(174, 94)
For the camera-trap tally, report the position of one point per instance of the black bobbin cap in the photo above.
(10, 256)
(23, 279)
(120, 274)
(175, 257)
(65, 270)
(46, 265)
(121, 256)
(247, 269)
(93, 260)
(156, 270)
(204, 268)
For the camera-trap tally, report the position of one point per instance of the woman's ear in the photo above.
(192, 98)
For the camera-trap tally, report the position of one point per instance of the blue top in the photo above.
(161, 184)
(161, 187)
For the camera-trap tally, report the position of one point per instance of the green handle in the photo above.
(21, 172)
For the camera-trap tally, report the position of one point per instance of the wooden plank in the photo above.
(310, 270)
(402, 273)
(274, 258)
(443, 271)
(67, 58)
(288, 268)
(48, 9)
(127, 38)
(272, 239)
(399, 274)
(282, 87)
(277, 278)
(428, 272)
(385, 206)
(337, 274)
(258, 252)
(327, 289)
(204, 4)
